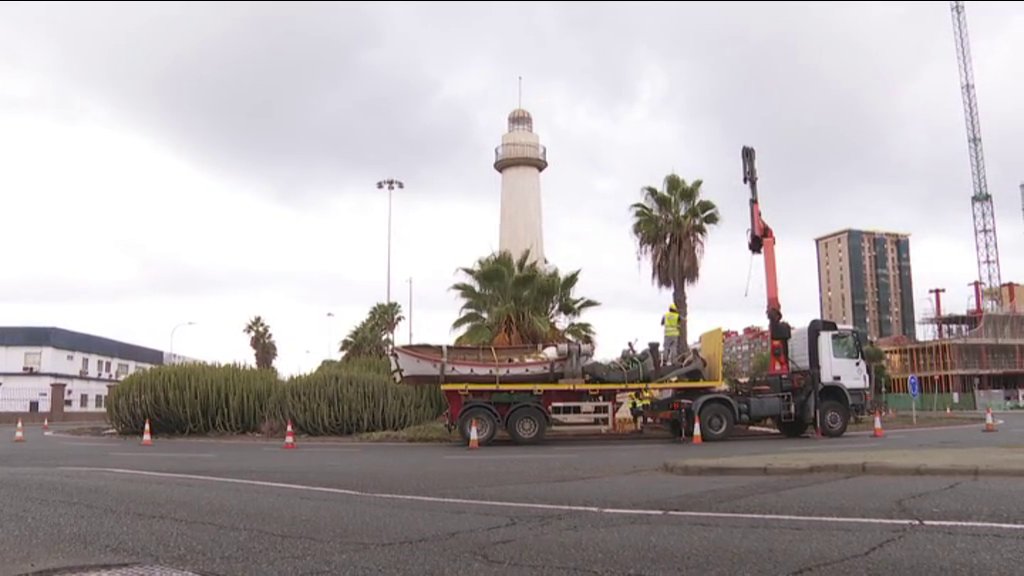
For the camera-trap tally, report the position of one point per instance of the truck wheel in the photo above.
(792, 429)
(486, 425)
(715, 422)
(526, 426)
(834, 418)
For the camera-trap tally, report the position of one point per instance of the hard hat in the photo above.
(672, 307)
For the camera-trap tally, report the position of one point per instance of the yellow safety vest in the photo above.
(671, 323)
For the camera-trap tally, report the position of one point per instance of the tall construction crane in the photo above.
(981, 202)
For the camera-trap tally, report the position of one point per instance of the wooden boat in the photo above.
(434, 364)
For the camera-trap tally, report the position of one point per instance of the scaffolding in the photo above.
(979, 351)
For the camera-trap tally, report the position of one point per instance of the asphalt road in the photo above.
(568, 507)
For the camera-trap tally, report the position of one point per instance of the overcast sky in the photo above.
(164, 163)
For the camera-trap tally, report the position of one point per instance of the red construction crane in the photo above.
(981, 201)
(763, 239)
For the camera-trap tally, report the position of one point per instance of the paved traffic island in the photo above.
(977, 462)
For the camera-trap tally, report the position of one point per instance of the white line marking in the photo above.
(509, 456)
(161, 454)
(564, 507)
(104, 444)
(280, 449)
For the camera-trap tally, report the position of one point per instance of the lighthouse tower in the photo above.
(520, 159)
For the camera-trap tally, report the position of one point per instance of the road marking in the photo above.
(315, 449)
(562, 507)
(168, 454)
(509, 456)
(104, 444)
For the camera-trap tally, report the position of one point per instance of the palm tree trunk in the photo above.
(679, 297)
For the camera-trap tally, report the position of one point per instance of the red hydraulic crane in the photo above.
(763, 239)
(981, 200)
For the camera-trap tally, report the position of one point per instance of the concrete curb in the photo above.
(867, 468)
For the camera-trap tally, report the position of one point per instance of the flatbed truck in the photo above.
(793, 402)
(816, 377)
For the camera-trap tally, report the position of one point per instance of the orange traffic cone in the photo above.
(147, 437)
(19, 433)
(46, 427)
(289, 436)
(474, 438)
(697, 439)
(990, 425)
(879, 433)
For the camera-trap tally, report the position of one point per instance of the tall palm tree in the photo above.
(261, 340)
(671, 227)
(510, 301)
(371, 338)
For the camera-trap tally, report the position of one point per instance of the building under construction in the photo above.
(978, 353)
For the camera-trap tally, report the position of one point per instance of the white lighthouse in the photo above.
(520, 159)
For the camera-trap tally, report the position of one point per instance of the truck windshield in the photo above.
(844, 345)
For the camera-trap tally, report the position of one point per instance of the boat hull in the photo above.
(423, 367)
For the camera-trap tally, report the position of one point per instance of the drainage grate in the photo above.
(116, 570)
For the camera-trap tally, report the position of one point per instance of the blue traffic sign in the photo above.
(915, 387)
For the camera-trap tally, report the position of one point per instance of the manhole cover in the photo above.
(115, 570)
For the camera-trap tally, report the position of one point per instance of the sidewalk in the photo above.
(978, 462)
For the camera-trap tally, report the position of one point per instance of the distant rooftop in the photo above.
(53, 337)
(845, 231)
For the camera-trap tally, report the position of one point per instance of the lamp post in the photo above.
(410, 311)
(390, 184)
(173, 330)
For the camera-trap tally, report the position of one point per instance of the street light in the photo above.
(390, 183)
(171, 351)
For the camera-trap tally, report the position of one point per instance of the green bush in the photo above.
(338, 399)
(343, 402)
(192, 399)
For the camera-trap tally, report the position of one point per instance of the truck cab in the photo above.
(841, 355)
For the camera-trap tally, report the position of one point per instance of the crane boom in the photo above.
(762, 239)
(981, 202)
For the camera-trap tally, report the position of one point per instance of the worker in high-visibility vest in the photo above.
(671, 323)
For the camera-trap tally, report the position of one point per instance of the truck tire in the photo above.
(716, 422)
(486, 425)
(526, 426)
(835, 417)
(792, 429)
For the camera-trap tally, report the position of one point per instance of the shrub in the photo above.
(337, 399)
(192, 399)
(342, 402)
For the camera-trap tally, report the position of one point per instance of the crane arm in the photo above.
(762, 240)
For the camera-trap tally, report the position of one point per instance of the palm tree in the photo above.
(510, 301)
(371, 338)
(262, 342)
(671, 227)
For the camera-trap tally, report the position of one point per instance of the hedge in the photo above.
(337, 399)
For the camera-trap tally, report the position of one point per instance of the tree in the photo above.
(261, 340)
(508, 301)
(759, 364)
(371, 338)
(877, 369)
(671, 227)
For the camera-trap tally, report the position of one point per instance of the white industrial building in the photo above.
(34, 358)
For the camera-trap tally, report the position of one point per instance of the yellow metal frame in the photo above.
(712, 347)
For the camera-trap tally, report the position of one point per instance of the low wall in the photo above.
(38, 417)
(930, 402)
